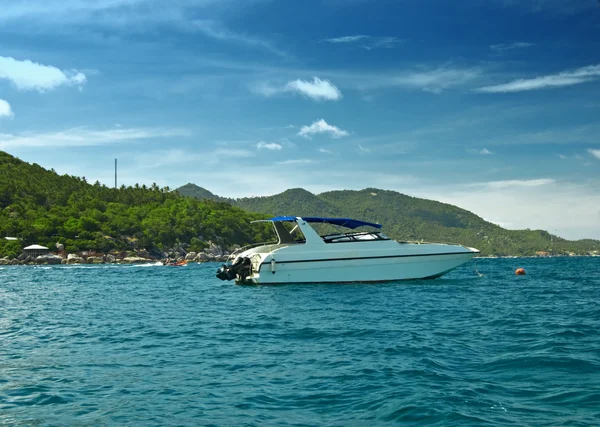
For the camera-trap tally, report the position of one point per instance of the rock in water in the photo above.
(74, 259)
(48, 259)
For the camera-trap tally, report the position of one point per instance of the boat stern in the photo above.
(244, 268)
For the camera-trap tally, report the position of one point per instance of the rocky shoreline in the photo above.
(213, 253)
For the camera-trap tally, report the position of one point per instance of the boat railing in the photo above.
(422, 242)
(245, 248)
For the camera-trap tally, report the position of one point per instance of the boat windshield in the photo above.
(288, 232)
(364, 236)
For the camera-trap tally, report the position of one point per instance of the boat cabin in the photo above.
(294, 230)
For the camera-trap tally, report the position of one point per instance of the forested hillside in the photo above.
(40, 206)
(411, 218)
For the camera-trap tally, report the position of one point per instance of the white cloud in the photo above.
(346, 39)
(28, 75)
(565, 78)
(483, 152)
(316, 89)
(515, 183)
(595, 153)
(363, 149)
(510, 46)
(321, 126)
(83, 17)
(5, 110)
(218, 31)
(273, 146)
(324, 150)
(429, 79)
(99, 12)
(17, 9)
(381, 42)
(87, 137)
(435, 80)
(295, 162)
(367, 42)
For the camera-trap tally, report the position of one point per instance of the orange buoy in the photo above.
(520, 272)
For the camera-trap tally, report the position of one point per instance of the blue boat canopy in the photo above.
(344, 222)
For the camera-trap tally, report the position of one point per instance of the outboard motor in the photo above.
(225, 273)
(240, 268)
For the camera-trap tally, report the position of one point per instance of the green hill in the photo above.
(410, 218)
(192, 190)
(296, 201)
(40, 206)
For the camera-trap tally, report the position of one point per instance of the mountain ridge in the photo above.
(409, 218)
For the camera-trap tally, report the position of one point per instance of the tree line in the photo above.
(38, 206)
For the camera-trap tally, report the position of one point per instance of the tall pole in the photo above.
(115, 173)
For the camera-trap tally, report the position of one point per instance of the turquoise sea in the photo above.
(156, 346)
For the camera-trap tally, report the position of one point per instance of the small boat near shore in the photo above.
(175, 263)
(302, 255)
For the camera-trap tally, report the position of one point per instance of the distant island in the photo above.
(408, 218)
(96, 223)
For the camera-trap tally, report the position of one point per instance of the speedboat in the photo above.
(302, 255)
(175, 263)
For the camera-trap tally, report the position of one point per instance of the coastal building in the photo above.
(36, 250)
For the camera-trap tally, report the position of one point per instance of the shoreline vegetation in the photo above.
(66, 213)
(92, 223)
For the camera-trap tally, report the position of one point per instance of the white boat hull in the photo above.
(347, 270)
(340, 257)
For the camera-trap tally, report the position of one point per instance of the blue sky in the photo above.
(490, 105)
